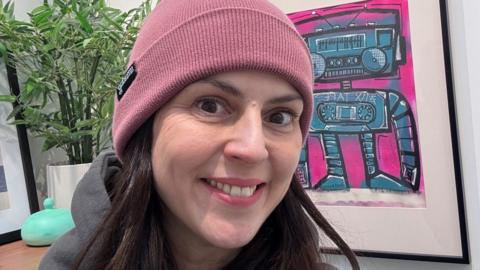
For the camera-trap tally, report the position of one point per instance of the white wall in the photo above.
(465, 44)
(22, 7)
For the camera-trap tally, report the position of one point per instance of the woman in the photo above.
(208, 126)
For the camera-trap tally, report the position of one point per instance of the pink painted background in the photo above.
(387, 154)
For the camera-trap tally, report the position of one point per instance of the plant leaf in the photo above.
(58, 126)
(3, 50)
(8, 98)
(86, 41)
(84, 22)
(14, 112)
(84, 123)
(40, 14)
(49, 143)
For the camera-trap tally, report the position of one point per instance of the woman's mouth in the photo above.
(243, 194)
(233, 190)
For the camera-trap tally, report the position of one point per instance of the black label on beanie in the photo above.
(126, 81)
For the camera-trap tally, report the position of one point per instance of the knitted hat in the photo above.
(183, 41)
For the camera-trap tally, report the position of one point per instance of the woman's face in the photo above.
(224, 152)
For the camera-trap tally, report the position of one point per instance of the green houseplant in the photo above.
(70, 57)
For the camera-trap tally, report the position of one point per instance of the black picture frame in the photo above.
(21, 131)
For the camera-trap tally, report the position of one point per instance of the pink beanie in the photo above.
(183, 41)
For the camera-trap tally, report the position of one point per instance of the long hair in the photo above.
(132, 236)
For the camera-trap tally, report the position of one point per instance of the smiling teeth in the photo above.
(235, 191)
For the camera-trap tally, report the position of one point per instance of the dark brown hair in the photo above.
(132, 236)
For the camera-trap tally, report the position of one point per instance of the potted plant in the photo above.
(70, 57)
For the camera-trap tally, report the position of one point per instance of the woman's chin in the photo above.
(231, 237)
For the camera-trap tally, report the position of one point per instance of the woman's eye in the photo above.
(281, 118)
(211, 106)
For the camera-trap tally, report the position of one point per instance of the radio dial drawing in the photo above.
(318, 65)
(374, 59)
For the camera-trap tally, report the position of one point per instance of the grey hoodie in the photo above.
(89, 204)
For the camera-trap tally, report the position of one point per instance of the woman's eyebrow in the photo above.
(284, 99)
(224, 86)
(234, 91)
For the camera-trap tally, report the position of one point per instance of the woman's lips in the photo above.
(235, 191)
(236, 181)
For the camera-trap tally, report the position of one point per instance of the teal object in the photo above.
(44, 227)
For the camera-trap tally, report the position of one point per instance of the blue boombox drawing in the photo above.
(347, 48)
(356, 45)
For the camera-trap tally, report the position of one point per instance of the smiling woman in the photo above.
(207, 141)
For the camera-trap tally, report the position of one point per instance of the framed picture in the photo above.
(18, 196)
(381, 161)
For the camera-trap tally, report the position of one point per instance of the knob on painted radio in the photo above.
(374, 59)
(318, 65)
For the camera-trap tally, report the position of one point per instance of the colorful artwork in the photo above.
(363, 147)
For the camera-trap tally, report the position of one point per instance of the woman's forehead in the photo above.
(247, 83)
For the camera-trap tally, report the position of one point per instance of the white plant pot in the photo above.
(62, 181)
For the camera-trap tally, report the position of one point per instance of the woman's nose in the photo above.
(246, 139)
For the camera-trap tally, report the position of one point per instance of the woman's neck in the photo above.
(191, 252)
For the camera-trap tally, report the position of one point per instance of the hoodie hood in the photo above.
(89, 204)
